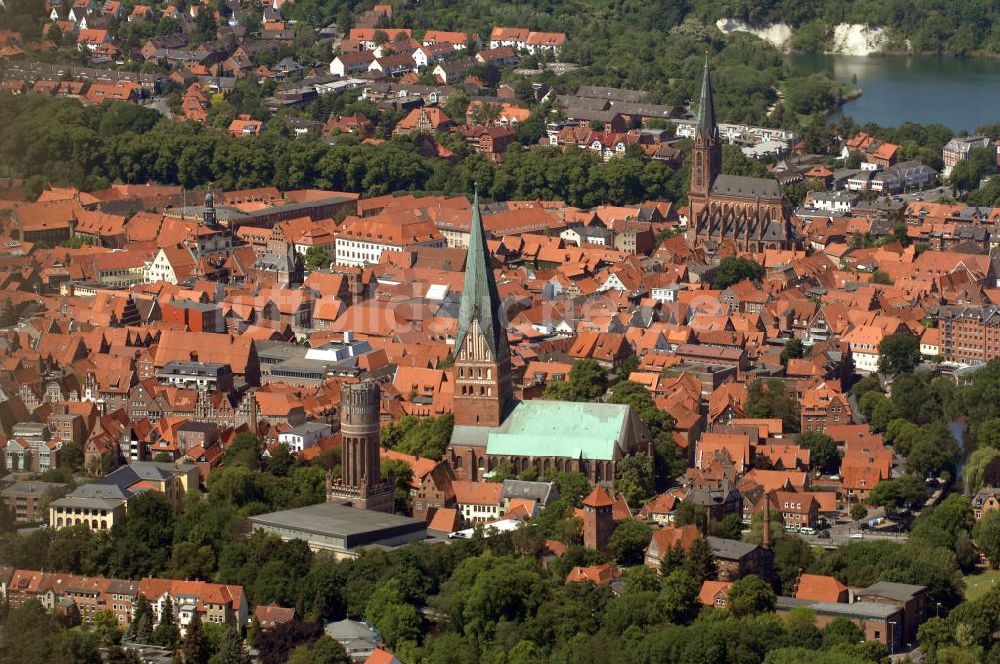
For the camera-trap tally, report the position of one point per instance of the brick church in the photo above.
(750, 212)
(492, 428)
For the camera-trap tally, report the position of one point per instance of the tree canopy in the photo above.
(733, 269)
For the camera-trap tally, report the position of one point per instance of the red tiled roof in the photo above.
(598, 498)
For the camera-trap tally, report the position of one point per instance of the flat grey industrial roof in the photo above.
(87, 502)
(871, 610)
(729, 549)
(340, 520)
(24, 487)
(897, 591)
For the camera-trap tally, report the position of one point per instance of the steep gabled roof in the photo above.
(706, 107)
(480, 299)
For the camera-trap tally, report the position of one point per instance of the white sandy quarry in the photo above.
(855, 39)
(778, 34)
(848, 38)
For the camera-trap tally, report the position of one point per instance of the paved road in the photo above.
(843, 537)
(928, 195)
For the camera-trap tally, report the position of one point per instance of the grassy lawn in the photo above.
(977, 585)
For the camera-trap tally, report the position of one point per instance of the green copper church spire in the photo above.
(706, 108)
(480, 299)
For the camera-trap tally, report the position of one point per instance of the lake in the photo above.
(959, 94)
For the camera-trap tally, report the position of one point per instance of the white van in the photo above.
(806, 530)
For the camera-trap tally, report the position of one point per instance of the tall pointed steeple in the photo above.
(480, 299)
(484, 390)
(706, 107)
(706, 157)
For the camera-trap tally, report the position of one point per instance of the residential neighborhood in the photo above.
(401, 333)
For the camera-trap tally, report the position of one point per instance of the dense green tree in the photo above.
(426, 437)
(635, 479)
(317, 258)
(105, 623)
(689, 512)
(573, 486)
(987, 536)
(794, 349)
(967, 173)
(767, 399)
(166, 633)
(245, 451)
(751, 595)
(641, 578)
(388, 610)
(801, 626)
(276, 644)
(902, 492)
(865, 385)
(231, 649)
(901, 433)
(823, 452)
(734, 269)
(934, 635)
(729, 527)
(841, 631)
(402, 475)
(669, 461)
(934, 451)
(587, 381)
(71, 549)
(140, 629)
(792, 554)
(914, 399)
(678, 599)
(899, 353)
(324, 651)
(699, 562)
(280, 461)
(141, 543)
(627, 544)
(194, 646)
(972, 473)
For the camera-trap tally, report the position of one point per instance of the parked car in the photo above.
(824, 534)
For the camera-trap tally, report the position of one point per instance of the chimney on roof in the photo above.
(767, 522)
